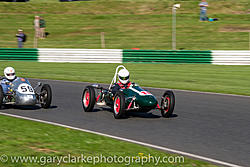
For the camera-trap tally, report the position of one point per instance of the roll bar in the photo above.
(115, 76)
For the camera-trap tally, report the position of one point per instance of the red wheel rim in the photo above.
(117, 104)
(167, 100)
(86, 98)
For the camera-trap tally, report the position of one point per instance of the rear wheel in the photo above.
(167, 103)
(1, 96)
(88, 99)
(46, 96)
(119, 105)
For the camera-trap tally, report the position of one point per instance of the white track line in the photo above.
(181, 90)
(128, 140)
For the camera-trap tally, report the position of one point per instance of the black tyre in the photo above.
(88, 99)
(119, 105)
(46, 96)
(167, 103)
(1, 96)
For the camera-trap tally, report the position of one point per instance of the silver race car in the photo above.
(20, 92)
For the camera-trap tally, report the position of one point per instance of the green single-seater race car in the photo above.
(133, 98)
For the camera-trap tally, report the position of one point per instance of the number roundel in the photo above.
(25, 88)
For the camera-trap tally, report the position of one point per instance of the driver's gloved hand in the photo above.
(7, 83)
(105, 92)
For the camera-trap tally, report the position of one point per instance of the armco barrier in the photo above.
(19, 54)
(231, 57)
(167, 56)
(220, 57)
(81, 55)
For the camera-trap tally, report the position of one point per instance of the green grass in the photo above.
(27, 138)
(211, 78)
(128, 24)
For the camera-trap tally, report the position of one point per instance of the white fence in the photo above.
(80, 55)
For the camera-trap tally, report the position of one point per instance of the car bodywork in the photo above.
(20, 92)
(136, 98)
(133, 98)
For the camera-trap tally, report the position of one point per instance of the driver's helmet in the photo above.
(123, 76)
(9, 73)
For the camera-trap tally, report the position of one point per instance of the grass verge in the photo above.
(128, 24)
(210, 78)
(32, 139)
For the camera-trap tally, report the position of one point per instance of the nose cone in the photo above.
(26, 100)
(147, 101)
(150, 101)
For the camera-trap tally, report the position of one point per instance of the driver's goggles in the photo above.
(124, 78)
(10, 74)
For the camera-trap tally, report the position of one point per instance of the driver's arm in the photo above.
(4, 81)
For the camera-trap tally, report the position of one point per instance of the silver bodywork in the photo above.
(21, 93)
(25, 99)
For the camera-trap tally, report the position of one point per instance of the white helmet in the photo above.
(9, 73)
(123, 76)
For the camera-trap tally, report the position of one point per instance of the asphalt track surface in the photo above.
(210, 125)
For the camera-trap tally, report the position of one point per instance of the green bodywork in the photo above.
(145, 100)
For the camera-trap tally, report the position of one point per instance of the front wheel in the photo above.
(46, 96)
(119, 105)
(167, 103)
(88, 99)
